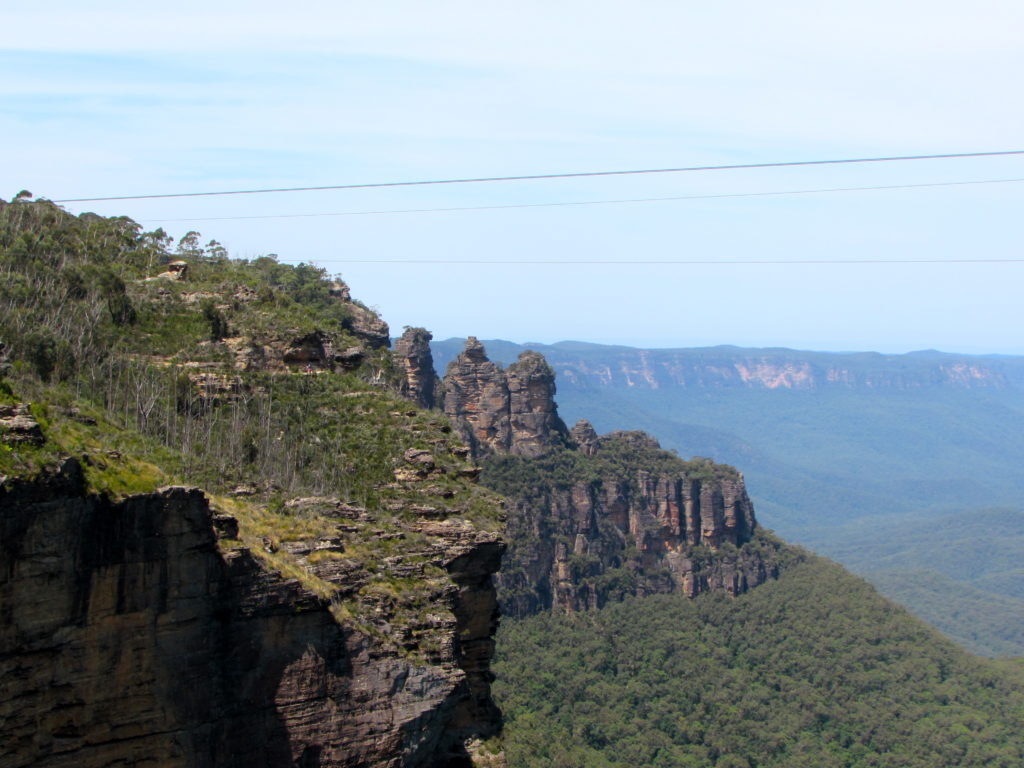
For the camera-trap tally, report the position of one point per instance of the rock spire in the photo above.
(503, 411)
(412, 352)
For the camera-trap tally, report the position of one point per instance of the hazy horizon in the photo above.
(767, 347)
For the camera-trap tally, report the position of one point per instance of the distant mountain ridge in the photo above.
(594, 365)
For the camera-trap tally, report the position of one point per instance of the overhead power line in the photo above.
(591, 202)
(700, 262)
(544, 176)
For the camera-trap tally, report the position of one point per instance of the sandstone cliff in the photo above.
(621, 517)
(143, 632)
(499, 411)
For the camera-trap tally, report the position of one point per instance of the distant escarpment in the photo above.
(593, 518)
(144, 632)
(593, 366)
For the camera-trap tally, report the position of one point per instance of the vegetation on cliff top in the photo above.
(621, 457)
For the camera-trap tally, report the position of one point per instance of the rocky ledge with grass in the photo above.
(169, 628)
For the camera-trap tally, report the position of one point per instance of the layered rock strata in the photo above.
(503, 411)
(317, 350)
(137, 632)
(17, 425)
(367, 326)
(363, 323)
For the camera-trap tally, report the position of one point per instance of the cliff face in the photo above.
(498, 411)
(140, 632)
(625, 518)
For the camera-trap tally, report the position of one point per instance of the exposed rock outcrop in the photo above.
(176, 270)
(318, 350)
(18, 425)
(412, 352)
(363, 323)
(476, 399)
(129, 635)
(367, 325)
(499, 412)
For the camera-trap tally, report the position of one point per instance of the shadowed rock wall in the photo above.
(130, 636)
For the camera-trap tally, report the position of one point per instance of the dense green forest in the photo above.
(815, 670)
(960, 572)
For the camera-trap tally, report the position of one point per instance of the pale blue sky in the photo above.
(110, 98)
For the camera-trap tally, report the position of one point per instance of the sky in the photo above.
(119, 99)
